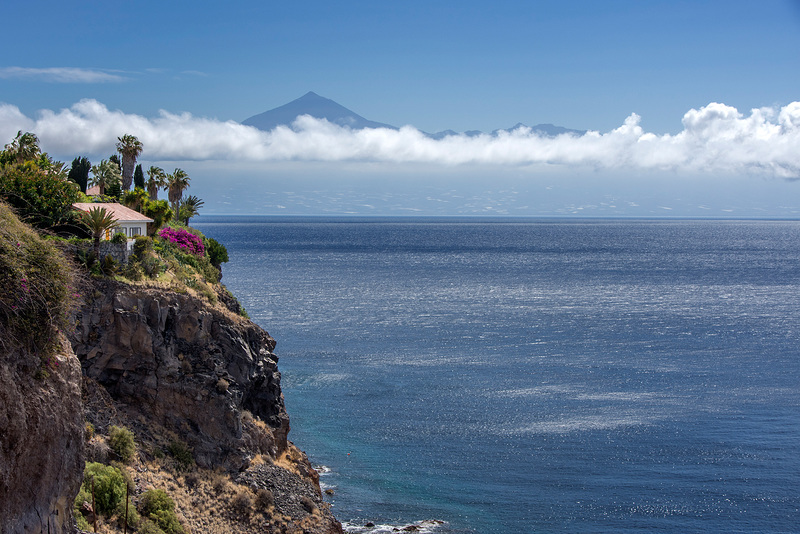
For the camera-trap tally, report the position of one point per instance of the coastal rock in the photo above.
(41, 441)
(296, 497)
(171, 360)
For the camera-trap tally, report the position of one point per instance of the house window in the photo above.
(135, 230)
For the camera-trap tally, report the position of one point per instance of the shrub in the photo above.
(242, 503)
(182, 454)
(160, 508)
(142, 245)
(109, 487)
(133, 271)
(119, 238)
(108, 266)
(219, 483)
(41, 198)
(264, 499)
(147, 527)
(152, 266)
(222, 385)
(37, 292)
(121, 441)
(133, 517)
(191, 480)
(183, 239)
(216, 252)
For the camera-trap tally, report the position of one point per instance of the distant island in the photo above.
(320, 107)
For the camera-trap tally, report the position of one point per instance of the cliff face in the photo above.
(187, 367)
(169, 365)
(41, 442)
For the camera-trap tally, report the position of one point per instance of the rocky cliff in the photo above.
(176, 367)
(185, 366)
(41, 441)
(41, 417)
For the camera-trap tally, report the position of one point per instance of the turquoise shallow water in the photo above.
(509, 376)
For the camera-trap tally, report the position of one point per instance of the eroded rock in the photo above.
(163, 355)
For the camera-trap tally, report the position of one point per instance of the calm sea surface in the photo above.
(508, 376)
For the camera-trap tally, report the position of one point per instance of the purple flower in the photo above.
(183, 239)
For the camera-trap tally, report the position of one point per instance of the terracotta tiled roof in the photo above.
(118, 211)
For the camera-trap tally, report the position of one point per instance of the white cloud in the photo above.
(716, 139)
(60, 75)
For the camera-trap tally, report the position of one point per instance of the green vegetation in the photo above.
(42, 195)
(35, 185)
(120, 439)
(138, 177)
(160, 212)
(156, 179)
(109, 487)
(110, 484)
(159, 507)
(99, 221)
(177, 183)
(216, 252)
(106, 176)
(130, 147)
(39, 197)
(119, 239)
(182, 454)
(188, 208)
(37, 291)
(79, 173)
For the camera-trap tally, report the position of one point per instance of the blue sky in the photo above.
(457, 65)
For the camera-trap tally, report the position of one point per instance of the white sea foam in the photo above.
(579, 424)
(555, 389)
(427, 526)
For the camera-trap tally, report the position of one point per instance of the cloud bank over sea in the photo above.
(716, 138)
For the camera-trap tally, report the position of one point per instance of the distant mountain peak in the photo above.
(316, 106)
(320, 107)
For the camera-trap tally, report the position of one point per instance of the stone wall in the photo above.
(118, 251)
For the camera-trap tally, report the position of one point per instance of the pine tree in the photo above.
(79, 173)
(138, 177)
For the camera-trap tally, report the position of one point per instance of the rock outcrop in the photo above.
(169, 365)
(187, 367)
(41, 441)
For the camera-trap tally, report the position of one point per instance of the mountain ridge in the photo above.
(320, 107)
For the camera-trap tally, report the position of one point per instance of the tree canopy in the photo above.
(106, 176)
(156, 179)
(177, 183)
(138, 177)
(79, 172)
(130, 147)
(36, 187)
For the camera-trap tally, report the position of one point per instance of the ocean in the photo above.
(479, 376)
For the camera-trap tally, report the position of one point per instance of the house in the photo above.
(129, 222)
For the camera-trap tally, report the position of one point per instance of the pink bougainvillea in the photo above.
(185, 240)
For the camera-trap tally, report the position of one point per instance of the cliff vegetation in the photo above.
(137, 396)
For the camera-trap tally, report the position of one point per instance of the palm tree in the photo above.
(189, 207)
(177, 183)
(98, 220)
(156, 179)
(25, 147)
(106, 174)
(135, 199)
(130, 147)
